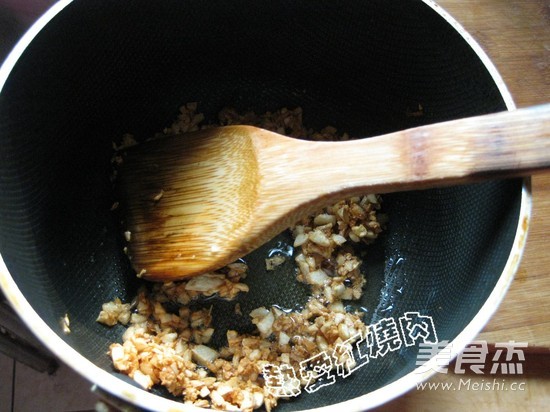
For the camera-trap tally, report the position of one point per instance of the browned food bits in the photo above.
(172, 349)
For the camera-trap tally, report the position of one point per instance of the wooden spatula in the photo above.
(196, 202)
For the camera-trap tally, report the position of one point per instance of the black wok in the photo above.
(97, 70)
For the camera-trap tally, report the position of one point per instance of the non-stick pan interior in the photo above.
(101, 69)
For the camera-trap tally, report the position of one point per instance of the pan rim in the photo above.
(126, 392)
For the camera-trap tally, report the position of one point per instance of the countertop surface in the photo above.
(516, 36)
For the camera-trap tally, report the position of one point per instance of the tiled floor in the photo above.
(22, 389)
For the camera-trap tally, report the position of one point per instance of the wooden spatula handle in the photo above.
(460, 151)
(503, 144)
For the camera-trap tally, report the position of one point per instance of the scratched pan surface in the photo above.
(100, 69)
